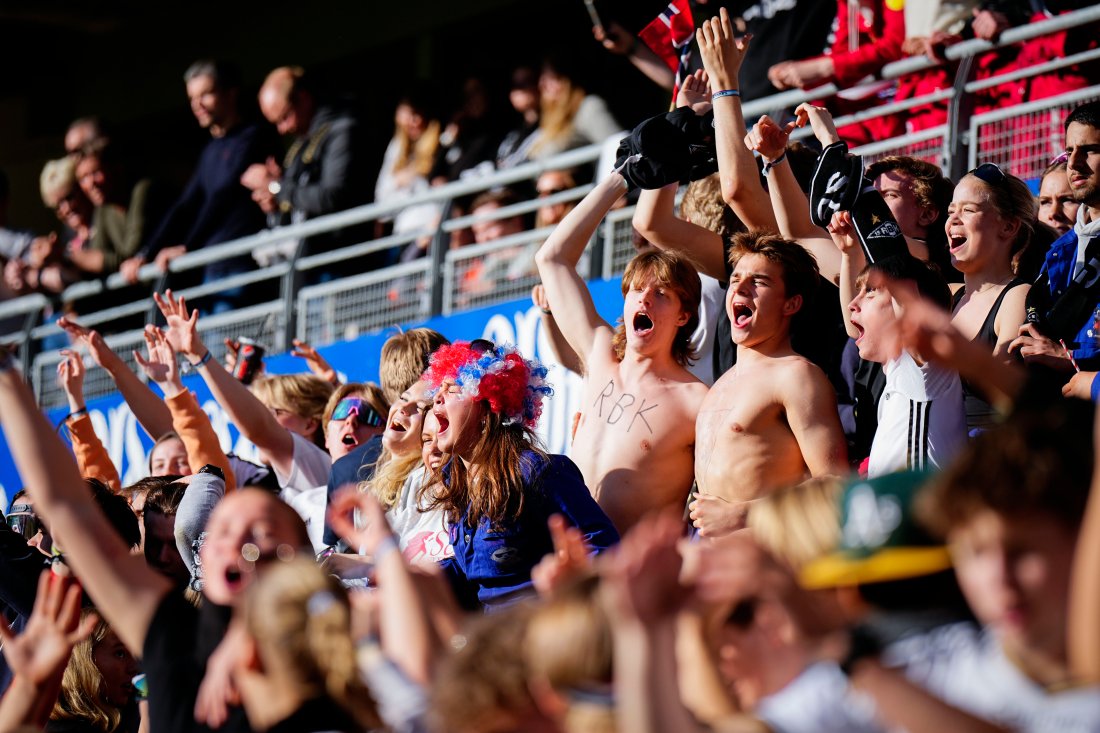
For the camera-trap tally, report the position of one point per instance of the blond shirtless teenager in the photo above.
(771, 421)
(635, 443)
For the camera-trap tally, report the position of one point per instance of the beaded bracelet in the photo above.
(726, 93)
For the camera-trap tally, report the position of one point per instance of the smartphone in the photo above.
(590, 5)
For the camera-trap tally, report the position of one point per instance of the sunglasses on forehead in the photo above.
(359, 407)
(991, 173)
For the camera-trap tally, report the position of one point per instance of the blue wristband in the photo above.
(726, 93)
(203, 361)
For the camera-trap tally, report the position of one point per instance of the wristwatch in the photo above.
(274, 187)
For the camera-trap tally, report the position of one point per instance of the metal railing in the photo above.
(312, 298)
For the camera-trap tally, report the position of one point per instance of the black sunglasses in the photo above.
(991, 173)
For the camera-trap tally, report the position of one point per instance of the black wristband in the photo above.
(201, 362)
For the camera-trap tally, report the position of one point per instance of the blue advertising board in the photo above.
(514, 322)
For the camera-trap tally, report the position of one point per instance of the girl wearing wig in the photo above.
(497, 486)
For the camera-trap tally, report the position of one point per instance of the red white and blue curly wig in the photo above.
(513, 386)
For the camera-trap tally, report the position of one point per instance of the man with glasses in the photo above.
(1064, 304)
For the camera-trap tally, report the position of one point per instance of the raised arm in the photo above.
(566, 292)
(619, 40)
(655, 217)
(125, 590)
(722, 55)
(251, 416)
(789, 203)
(147, 407)
(91, 456)
(852, 262)
(38, 656)
(406, 631)
(188, 419)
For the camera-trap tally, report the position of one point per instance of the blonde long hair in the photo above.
(300, 619)
(390, 472)
(81, 696)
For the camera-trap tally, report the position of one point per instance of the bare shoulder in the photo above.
(601, 357)
(797, 376)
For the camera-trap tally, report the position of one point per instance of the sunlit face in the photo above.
(652, 315)
(1083, 163)
(1057, 207)
(896, 188)
(118, 668)
(209, 104)
(977, 234)
(430, 455)
(757, 302)
(160, 548)
(248, 516)
(403, 426)
(92, 179)
(874, 314)
(1015, 574)
(460, 420)
(344, 436)
(169, 458)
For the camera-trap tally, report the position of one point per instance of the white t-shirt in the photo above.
(311, 505)
(712, 302)
(310, 466)
(819, 700)
(921, 418)
(969, 670)
(422, 534)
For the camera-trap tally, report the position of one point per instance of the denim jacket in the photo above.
(495, 562)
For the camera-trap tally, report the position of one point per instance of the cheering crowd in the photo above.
(831, 471)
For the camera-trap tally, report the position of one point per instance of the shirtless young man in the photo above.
(636, 438)
(772, 419)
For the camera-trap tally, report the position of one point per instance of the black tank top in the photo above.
(979, 413)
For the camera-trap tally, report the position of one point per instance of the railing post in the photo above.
(291, 282)
(438, 252)
(27, 352)
(959, 111)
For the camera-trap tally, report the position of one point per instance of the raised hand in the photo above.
(341, 515)
(643, 575)
(70, 376)
(315, 361)
(843, 233)
(821, 122)
(160, 365)
(722, 51)
(768, 138)
(183, 332)
(614, 38)
(695, 93)
(570, 558)
(41, 652)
